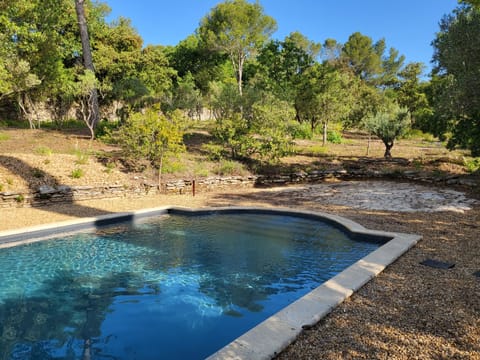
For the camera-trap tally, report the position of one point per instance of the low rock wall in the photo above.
(46, 195)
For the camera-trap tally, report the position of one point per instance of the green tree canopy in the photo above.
(324, 96)
(239, 29)
(457, 46)
(284, 62)
(388, 125)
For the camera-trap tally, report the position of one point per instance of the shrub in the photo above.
(229, 167)
(109, 167)
(420, 135)
(299, 130)
(201, 170)
(77, 173)
(152, 136)
(215, 152)
(170, 166)
(82, 157)
(316, 150)
(472, 165)
(43, 150)
(334, 137)
(105, 129)
(4, 137)
(2, 187)
(19, 198)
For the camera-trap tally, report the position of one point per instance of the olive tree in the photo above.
(388, 125)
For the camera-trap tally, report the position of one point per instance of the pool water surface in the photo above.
(169, 287)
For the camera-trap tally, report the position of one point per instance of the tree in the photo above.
(323, 97)
(410, 92)
(38, 35)
(283, 63)
(17, 81)
(152, 136)
(363, 56)
(474, 3)
(263, 136)
(93, 106)
(369, 62)
(192, 56)
(456, 49)
(331, 51)
(186, 97)
(239, 29)
(83, 90)
(388, 124)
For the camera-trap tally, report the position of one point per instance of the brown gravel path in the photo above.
(408, 312)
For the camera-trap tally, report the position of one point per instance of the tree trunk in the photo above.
(240, 79)
(324, 138)
(87, 57)
(160, 170)
(368, 144)
(388, 147)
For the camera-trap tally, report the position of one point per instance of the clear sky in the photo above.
(407, 25)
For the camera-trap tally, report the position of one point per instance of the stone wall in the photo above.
(46, 195)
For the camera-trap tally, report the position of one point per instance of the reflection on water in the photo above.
(171, 287)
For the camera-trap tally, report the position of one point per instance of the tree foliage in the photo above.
(388, 125)
(152, 136)
(324, 97)
(457, 46)
(252, 85)
(239, 29)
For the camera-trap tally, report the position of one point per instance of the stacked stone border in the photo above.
(47, 195)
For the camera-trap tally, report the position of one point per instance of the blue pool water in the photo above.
(170, 287)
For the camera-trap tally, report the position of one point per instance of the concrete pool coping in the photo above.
(272, 335)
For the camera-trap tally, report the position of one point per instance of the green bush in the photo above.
(472, 165)
(170, 166)
(417, 134)
(77, 173)
(105, 129)
(4, 137)
(43, 150)
(152, 136)
(229, 167)
(82, 157)
(109, 167)
(334, 137)
(299, 130)
(200, 170)
(215, 152)
(316, 150)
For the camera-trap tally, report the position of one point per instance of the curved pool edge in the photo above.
(278, 331)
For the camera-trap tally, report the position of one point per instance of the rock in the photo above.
(47, 190)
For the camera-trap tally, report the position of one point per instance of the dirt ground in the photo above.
(409, 311)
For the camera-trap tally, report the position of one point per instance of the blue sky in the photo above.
(407, 25)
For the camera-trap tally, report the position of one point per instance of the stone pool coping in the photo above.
(271, 336)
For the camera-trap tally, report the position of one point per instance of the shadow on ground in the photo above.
(66, 207)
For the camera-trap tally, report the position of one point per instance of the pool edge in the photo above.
(274, 334)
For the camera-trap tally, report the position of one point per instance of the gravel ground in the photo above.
(410, 311)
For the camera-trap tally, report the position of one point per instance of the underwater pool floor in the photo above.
(177, 283)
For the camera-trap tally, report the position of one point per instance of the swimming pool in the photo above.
(168, 286)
